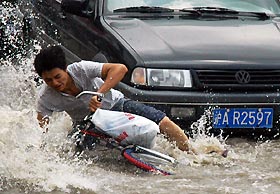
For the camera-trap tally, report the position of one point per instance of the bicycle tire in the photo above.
(148, 160)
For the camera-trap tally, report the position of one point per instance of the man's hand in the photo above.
(94, 103)
(112, 74)
(43, 122)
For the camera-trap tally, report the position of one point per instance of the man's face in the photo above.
(56, 78)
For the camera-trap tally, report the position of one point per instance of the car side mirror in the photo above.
(77, 7)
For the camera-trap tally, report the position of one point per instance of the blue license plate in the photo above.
(242, 118)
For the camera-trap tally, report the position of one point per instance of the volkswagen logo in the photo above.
(242, 77)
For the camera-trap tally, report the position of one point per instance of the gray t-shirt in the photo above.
(86, 76)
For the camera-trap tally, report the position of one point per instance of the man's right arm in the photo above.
(112, 74)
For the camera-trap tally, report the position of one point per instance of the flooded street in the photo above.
(28, 167)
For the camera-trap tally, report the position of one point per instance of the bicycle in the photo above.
(87, 135)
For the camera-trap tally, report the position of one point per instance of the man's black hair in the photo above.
(50, 58)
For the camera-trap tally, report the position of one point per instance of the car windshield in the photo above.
(270, 7)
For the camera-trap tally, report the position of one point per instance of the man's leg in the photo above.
(167, 127)
(174, 133)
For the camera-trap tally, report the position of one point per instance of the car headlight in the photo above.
(162, 77)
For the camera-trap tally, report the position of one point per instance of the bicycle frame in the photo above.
(126, 151)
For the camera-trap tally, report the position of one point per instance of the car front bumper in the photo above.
(188, 107)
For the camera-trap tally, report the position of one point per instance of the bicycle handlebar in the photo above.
(100, 95)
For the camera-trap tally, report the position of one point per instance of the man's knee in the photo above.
(164, 122)
(167, 124)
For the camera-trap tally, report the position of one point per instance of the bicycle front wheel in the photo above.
(149, 160)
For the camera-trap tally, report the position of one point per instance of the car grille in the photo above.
(238, 78)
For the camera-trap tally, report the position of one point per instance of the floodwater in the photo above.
(37, 163)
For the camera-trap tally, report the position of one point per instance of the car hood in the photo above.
(183, 41)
